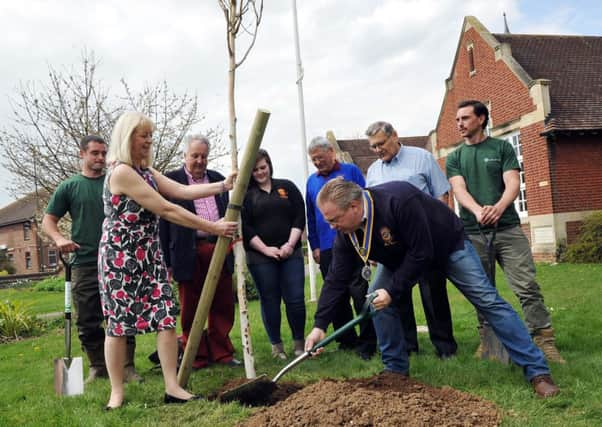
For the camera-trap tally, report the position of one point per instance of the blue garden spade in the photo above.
(68, 371)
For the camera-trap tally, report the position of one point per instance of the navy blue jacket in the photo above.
(179, 243)
(413, 232)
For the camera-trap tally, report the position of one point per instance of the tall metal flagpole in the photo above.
(312, 264)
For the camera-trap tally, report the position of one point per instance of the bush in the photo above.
(50, 284)
(249, 287)
(588, 249)
(16, 321)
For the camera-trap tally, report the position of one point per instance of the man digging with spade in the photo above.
(409, 232)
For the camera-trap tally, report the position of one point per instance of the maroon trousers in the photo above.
(215, 345)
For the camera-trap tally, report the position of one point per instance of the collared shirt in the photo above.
(414, 165)
(205, 207)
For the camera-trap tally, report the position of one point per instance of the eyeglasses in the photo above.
(378, 145)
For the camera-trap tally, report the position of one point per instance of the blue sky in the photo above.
(363, 60)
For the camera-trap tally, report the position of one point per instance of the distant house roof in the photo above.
(573, 64)
(18, 211)
(363, 156)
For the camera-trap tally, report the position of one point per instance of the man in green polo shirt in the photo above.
(484, 175)
(81, 197)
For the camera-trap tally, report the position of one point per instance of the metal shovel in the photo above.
(259, 389)
(68, 371)
(492, 347)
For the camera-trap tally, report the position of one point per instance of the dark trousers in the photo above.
(433, 292)
(366, 341)
(278, 281)
(215, 345)
(88, 313)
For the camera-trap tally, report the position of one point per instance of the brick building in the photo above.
(544, 94)
(19, 236)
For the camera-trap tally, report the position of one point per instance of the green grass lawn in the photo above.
(37, 302)
(572, 292)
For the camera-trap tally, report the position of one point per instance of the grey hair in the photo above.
(319, 142)
(376, 127)
(195, 137)
(340, 192)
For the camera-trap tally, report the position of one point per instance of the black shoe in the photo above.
(168, 399)
(154, 357)
(234, 363)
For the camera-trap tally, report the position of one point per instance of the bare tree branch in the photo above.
(40, 148)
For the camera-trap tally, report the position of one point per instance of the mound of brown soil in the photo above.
(383, 400)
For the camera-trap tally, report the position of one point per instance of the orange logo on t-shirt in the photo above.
(282, 193)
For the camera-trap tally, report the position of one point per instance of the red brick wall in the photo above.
(577, 173)
(538, 179)
(493, 81)
(12, 237)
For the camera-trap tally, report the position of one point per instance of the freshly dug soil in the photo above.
(383, 400)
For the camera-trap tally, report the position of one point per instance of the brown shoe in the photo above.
(545, 340)
(96, 373)
(131, 376)
(278, 352)
(544, 386)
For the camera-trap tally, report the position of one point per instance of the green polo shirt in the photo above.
(482, 166)
(81, 197)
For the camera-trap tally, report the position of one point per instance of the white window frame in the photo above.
(52, 257)
(520, 203)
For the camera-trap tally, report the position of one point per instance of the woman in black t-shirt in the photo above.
(273, 218)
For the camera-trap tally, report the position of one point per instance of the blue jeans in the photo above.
(276, 281)
(465, 271)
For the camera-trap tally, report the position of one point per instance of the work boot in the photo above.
(129, 373)
(545, 340)
(278, 351)
(298, 347)
(98, 369)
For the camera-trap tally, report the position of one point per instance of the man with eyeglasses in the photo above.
(418, 167)
(410, 232)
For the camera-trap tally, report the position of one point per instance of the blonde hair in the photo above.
(120, 149)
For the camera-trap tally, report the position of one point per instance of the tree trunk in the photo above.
(239, 252)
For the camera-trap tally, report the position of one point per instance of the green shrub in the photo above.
(249, 287)
(588, 249)
(16, 320)
(50, 284)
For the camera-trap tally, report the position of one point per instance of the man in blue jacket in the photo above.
(409, 232)
(321, 236)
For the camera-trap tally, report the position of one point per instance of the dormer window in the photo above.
(471, 66)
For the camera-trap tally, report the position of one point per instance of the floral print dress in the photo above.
(135, 294)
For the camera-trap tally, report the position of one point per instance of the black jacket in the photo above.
(413, 233)
(179, 243)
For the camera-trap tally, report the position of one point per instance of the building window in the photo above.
(471, 66)
(26, 230)
(52, 258)
(28, 260)
(521, 201)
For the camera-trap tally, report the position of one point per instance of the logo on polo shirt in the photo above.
(283, 193)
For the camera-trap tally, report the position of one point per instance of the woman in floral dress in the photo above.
(136, 295)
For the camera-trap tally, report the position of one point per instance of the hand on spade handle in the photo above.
(317, 340)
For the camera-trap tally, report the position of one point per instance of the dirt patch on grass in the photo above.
(382, 400)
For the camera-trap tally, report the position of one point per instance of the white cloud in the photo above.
(363, 60)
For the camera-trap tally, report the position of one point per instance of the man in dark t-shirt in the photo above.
(484, 175)
(81, 197)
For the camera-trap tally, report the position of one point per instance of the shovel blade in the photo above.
(493, 348)
(69, 376)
